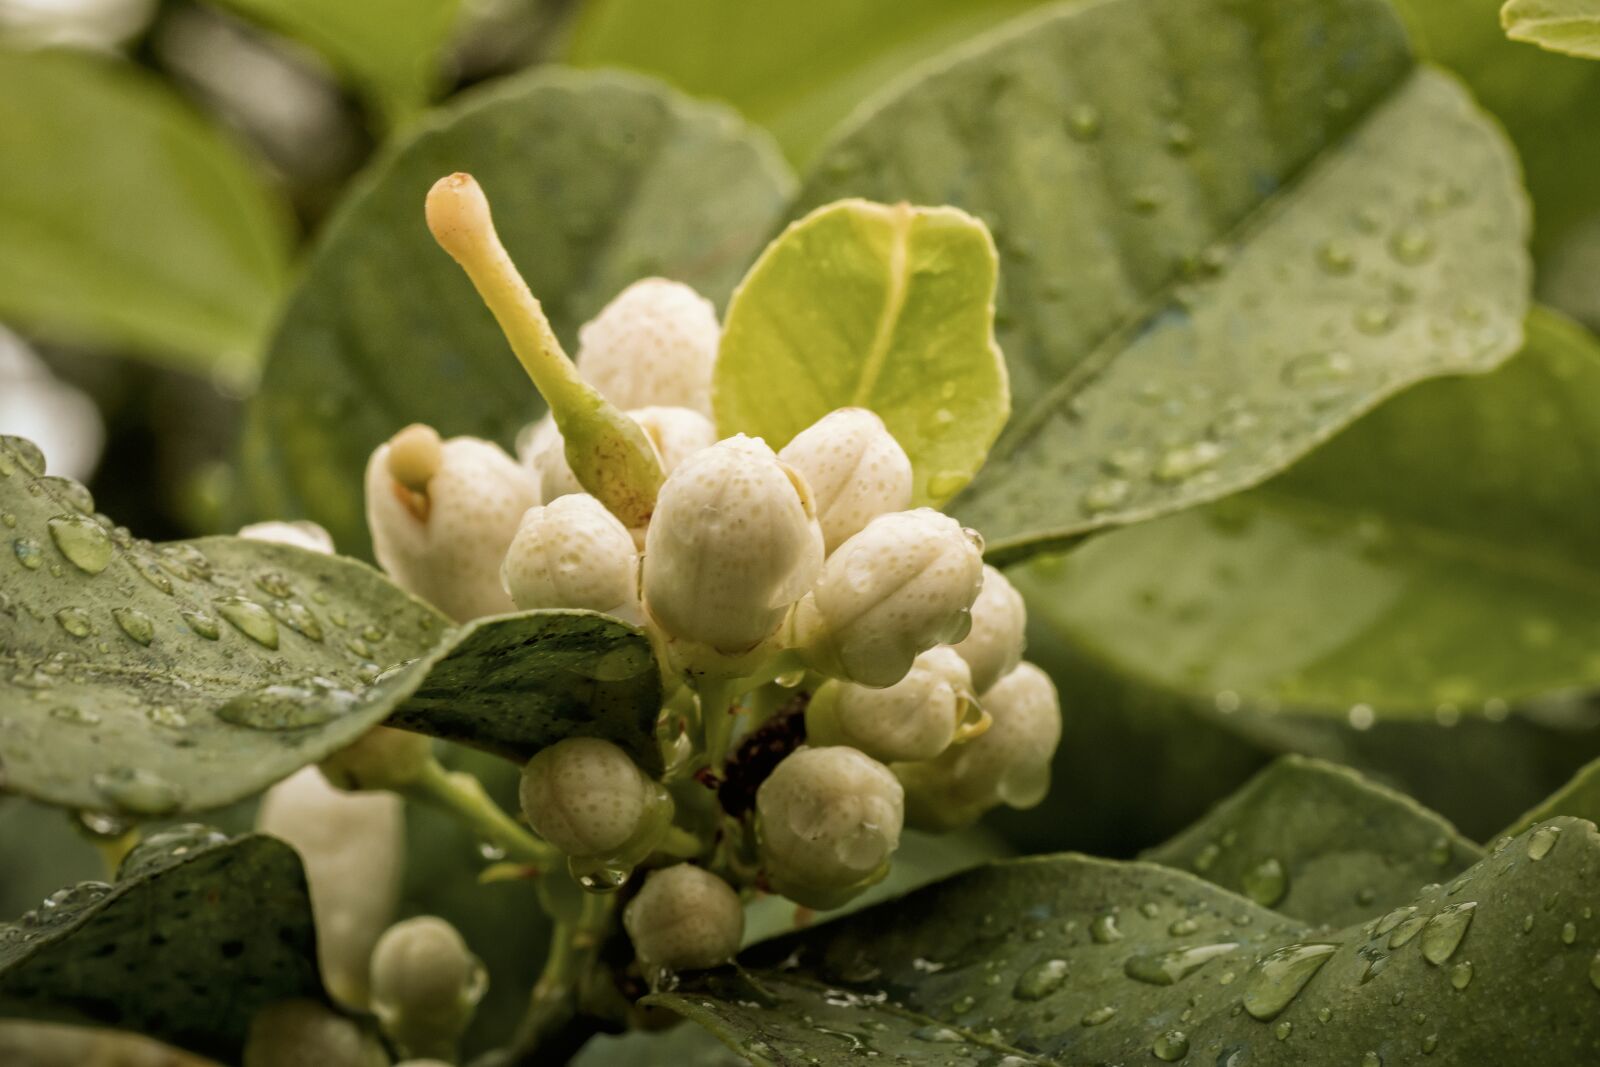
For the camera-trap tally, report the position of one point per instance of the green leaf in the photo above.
(197, 934)
(1579, 798)
(865, 305)
(685, 1046)
(129, 221)
(1391, 601)
(1319, 843)
(1225, 232)
(596, 180)
(515, 684)
(1570, 26)
(796, 69)
(1042, 970)
(392, 49)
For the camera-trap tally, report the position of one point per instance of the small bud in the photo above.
(306, 535)
(733, 544)
(674, 433)
(353, 849)
(684, 919)
(381, 758)
(426, 985)
(856, 470)
(829, 820)
(1009, 763)
(294, 1033)
(995, 644)
(916, 718)
(573, 553)
(415, 455)
(902, 585)
(654, 344)
(589, 799)
(444, 542)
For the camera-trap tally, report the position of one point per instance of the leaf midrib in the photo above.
(900, 220)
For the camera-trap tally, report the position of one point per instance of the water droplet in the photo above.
(1083, 122)
(250, 619)
(1569, 933)
(1103, 496)
(1393, 919)
(1320, 368)
(1169, 968)
(1206, 857)
(1336, 256)
(1266, 882)
(29, 554)
(1411, 245)
(1278, 978)
(963, 1004)
(83, 541)
(274, 584)
(136, 624)
(1099, 1015)
(1375, 320)
(1542, 840)
(1171, 1046)
(1461, 974)
(1149, 199)
(74, 715)
(201, 624)
(161, 849)
(1372, 1059)
(75, 622)
(1183, 927)
(166, 715)
(299, 618)
(1181, 464)
(138, 792)
(1407, 930)
(1104, 929)
(1283, 1030)
(598, 877)
(289, 707)
(1040, 980)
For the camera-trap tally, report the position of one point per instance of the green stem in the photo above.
(680, 844)
(717, 718)
(462, 796)
(574, 948)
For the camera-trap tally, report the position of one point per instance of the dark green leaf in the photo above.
(686, 1046)
(196, 935)
(1416, 597)
(1043, 968)
(1225, 232)
(596, 180)
(129, 221)
(1579, 798)
(1319, 843)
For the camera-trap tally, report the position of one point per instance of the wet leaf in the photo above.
(1319, 843)
(1416, 598)
(596, 180)
(129, 221)
(879, 307)
(197, 934)
(1225, 232)
(1570, 26)
(1066, 959)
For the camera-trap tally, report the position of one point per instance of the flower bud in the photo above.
(293, 1033)
(655, 343)
(353, 849)
(856, 470)
(589, 799)
(306, 535)
(381, 758)
(916, 718)
(674, 433)
(1009, 763)
(999, 618)
(829, 820)
(902, 585)
(573, 553)
(426, 984)
(734, 542)
(684, 918)
(441, 519)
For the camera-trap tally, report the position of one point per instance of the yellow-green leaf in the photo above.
(1570, 26)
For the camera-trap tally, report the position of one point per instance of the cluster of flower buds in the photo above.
(751, 570)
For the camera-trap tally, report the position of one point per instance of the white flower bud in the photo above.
(307, 535)
(1009, 763)
(733, 543)
(999, 618)
(426, 984)
(674, 433)
(381, 758)
(589, 799)
(655, 343)
(916, 718)
(684, 918)
(856, 470)
(441, 532)
(829, 820)
(293, 1033)
(902, 585)
(573, 553)
(353, 849)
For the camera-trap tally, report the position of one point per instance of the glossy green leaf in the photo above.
(1319, 843)
(126, 220)
(796, 69)
(197, 934)
(1225, 231)
(1072, 960)
(1391, 601)
(1579, 798)
(596, 180)
(867, 305)
(684, 1046)
(1570, 26)
(392, 49)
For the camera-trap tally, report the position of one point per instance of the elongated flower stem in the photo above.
(574, 947)
(462, 796)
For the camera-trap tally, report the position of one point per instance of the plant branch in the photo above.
(462, 796)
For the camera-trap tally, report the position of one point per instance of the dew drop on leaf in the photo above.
(83, 541)
(75, 622)
(1169, 968)
(288, 707)
(1040, 980)
(1171, 1046)
(1266, 882)
(138, 792)
(250, 619)
(201, 624)
(1280, 976)
(1461, 974)
(28, 552)
(1542, 840)
(135, 623)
